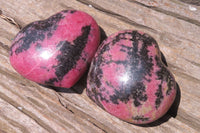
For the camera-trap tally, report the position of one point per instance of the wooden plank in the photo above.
(177, 8)
(24, 105)
(150, 18)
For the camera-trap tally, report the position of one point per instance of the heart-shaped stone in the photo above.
(128, 79)
(56, 51)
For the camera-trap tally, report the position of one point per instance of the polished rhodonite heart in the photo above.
(128, 79)
(56, 51)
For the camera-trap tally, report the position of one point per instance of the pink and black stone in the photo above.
(56, 51)
(128, 79)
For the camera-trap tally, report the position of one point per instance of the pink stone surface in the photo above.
(56, 51)
(128, 79)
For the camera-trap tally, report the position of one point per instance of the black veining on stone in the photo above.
(96, 97)
(36, 31)
(132, 91)
(70, 53)
(159, 97)
(51, 81)
(170, 84)
(138, 60)
(165, 76)
(140, 118)
(72, 11)
(38, 47)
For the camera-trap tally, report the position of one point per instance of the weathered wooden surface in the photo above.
(28, 107)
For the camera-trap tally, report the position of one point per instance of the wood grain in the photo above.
(28, 107)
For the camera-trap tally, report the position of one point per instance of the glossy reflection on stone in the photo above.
(56, 51)
(128, 79)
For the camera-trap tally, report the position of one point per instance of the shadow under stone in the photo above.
(103, 35)
(163, 59)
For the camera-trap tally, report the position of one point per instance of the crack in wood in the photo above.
(61, 103)
(83, 115)
(9, 20)
(170, 13)
(118, 16)
(4, 46)
(98, 127)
